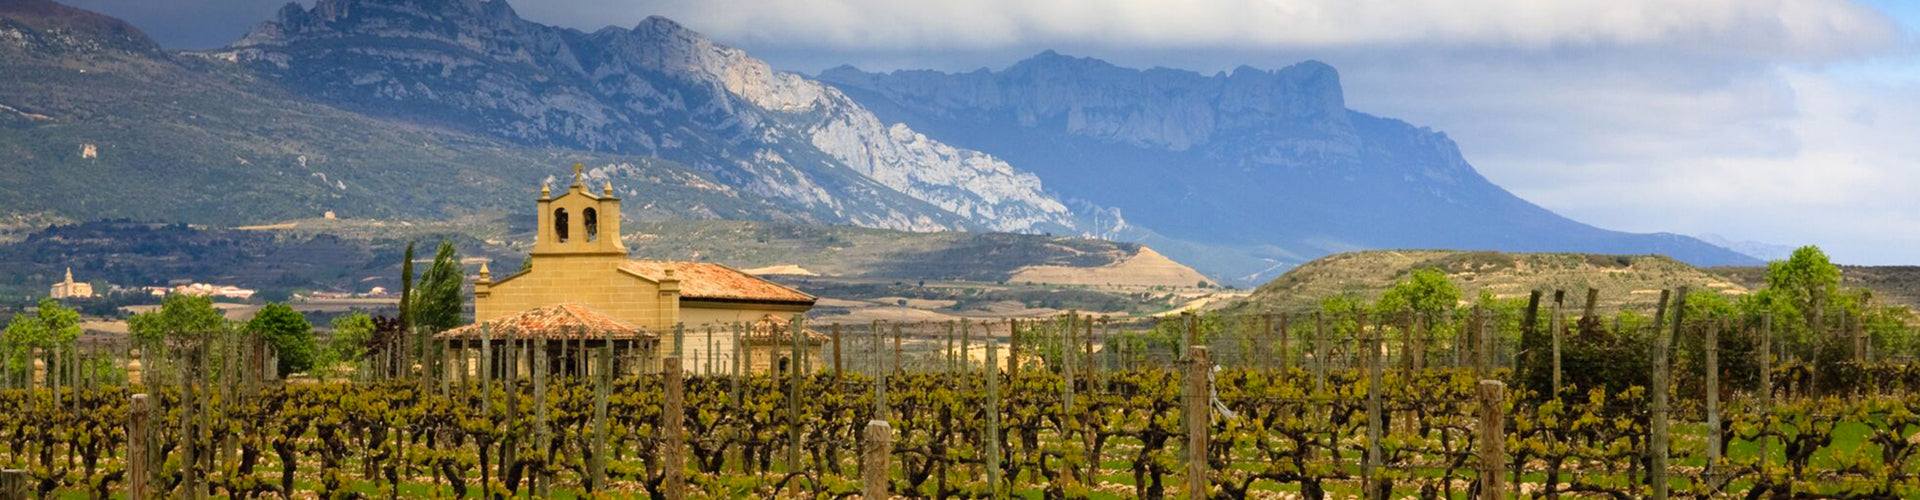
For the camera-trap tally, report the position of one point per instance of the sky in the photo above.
(1782, 121)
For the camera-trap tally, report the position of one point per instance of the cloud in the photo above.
(1850, 183)
(1801, 29)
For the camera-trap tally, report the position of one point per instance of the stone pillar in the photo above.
(135, 375)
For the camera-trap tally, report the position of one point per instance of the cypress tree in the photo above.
(406, 289)
(438, 306)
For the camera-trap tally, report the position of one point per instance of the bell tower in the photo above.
(578, 221)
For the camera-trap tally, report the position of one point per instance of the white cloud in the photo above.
(1851, 184)
(1746, 28)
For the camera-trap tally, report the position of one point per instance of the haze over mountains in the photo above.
(426, 108)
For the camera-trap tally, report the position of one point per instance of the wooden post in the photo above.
(950, 355)
(1593, 300)
(1484, 350)
(1319, 352)
(1263, 342)
(542, 435)
(1713, 397)
(679, 339)
(836, 352)
(509, 382)
(794, 377)
(1657, 443)
(1766, 386)
(139, 451)
(1559, 325)
(1492, 442)
(1286, 352)
(1066, 368)
(1013, 349)
(1420, 323)
(1197, 415)
(993, 421)
(873, 460)
(674, 484)
(880, 394)
(1193, 335)
(966, 346)
(600, 382)
(1370, 478)
(741, 355)
(14, 483)
(896, 348)
(1088, 362)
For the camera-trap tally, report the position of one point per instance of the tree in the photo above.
(290, 335)
(1426, 291)
(52, 326)
(1804, 285)
(183, 317)
(406, 287)
(437, 305)
(352, 336)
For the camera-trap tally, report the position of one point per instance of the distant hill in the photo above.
(844, 251)
(357, 254)
(1623, 280)
(1896, 285)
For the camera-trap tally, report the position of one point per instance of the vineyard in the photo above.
(1264, 406)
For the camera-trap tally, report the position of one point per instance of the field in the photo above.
(1292, 415)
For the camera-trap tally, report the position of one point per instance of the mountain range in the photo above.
(439, 108)
(1242, 173)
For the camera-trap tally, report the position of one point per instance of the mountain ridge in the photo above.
(1242, 173)
(657, 89)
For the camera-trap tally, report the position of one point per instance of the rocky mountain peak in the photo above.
(657, 89)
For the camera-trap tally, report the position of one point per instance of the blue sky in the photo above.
(1783, 121)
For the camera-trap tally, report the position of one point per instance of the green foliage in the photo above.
(436, 306)
(352, 337)
(1341, 311)
(289, 334)
(53, 325)
(1802, 286)
(1425, 291)
(182, 317)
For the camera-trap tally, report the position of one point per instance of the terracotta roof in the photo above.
(706, 280)
(770, 328)
(558, 321)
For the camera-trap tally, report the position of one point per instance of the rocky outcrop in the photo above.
(656, 89)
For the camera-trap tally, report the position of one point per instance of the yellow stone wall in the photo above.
(590, 280)
(720, 318)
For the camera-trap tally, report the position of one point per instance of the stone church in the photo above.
(579, 259)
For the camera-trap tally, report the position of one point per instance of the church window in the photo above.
(591, 219)
(560, 224)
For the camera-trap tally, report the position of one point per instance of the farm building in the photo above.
(579, 260)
